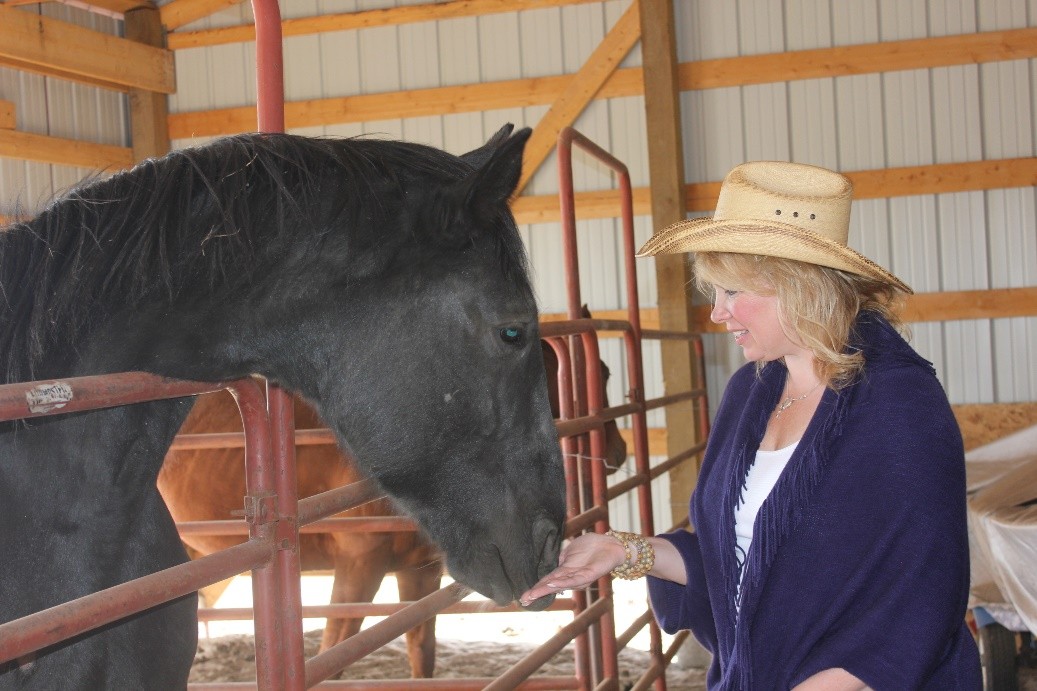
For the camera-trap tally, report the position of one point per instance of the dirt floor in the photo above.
(231, 658)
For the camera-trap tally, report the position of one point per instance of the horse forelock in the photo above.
(197, 219)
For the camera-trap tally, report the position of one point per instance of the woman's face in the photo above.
(753, 321)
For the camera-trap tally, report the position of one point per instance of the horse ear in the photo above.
(475, 201)
(493, 183)
(476, 158)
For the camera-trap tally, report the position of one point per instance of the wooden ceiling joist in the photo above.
(887, 183)
(66, 152)
(113, 6)
(466, 98)
(7, 119)
(841, 61)
(365, 19)
(581, 90)
(952, 305)
(181, 12)
(54, 48)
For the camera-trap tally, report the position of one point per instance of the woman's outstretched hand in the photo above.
(582, 561)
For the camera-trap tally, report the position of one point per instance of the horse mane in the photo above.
(196, 219)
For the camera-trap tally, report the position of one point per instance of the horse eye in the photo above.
(512, 335)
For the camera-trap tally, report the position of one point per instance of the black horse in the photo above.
(383, 281)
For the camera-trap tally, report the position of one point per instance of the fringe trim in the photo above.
(779, 515)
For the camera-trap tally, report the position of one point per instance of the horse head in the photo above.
(385, 282)
(413, 330)
(439, 390)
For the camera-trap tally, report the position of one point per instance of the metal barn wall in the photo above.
(58, 108)
(958, 241)
(964, 241)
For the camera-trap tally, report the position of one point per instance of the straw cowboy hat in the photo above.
(777, 209)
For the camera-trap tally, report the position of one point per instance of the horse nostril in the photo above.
(545, 536)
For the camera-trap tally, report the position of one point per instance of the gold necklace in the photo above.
(787, 403)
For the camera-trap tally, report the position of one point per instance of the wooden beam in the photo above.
(657, 446)
(666, 176)
(113, 6)
(7, 120)
(956, 305)
(841, 61)
(955, 50)
(66, 152)
(40, 44)
(149, 111)
(466, 98)
(580, 91)
(180, 12)
(364, 19)
(939, 178)
(996, 303)
(943, 178)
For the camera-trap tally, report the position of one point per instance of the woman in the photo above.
(830, 548)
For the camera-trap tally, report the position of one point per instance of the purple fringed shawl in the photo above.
(859, 556)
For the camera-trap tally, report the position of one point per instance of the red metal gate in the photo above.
(275, 515)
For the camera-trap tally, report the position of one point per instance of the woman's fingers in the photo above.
(581, 562)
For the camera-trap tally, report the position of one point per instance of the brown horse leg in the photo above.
(356, 580)
(415, 584)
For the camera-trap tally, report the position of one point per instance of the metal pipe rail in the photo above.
(638, 407)
(35, 399)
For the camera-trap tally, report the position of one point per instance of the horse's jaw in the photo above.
(500, 553)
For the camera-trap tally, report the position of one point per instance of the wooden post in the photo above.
(666, 171)
(149, 110)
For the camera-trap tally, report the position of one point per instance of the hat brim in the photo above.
(772, 239)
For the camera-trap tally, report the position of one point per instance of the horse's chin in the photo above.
(504, 575)
(540, 604)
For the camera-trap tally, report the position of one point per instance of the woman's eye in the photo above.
(512, 335)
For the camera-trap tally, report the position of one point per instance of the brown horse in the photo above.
(210, 485)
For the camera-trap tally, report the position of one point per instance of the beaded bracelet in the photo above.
(631, 569)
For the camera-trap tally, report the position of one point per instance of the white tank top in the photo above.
(759, 481)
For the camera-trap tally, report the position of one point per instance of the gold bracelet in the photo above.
(631, 569)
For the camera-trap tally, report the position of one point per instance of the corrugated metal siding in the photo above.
(59, 108)
(934, 242)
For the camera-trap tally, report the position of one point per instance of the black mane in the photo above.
(196, 219)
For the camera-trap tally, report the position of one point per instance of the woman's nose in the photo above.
(719, 312)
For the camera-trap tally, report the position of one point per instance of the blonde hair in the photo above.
(817, 305)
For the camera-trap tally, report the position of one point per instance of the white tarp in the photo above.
(1002, 488)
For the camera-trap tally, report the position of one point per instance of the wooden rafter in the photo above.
(7, 119)
(996, 303)
(59, 49)
(886, 183)
(581, 90)
(841, 61)
(59, 151)
(180, 12)
(366, 19)
(112, 6)
(993, 303)
(466, 98)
